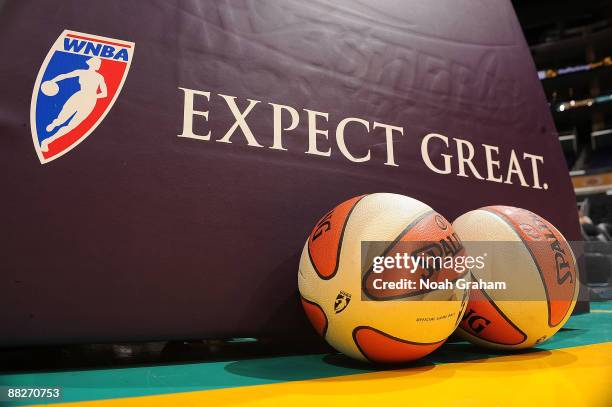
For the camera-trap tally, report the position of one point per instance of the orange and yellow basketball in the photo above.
(539, 267)
(338, 289)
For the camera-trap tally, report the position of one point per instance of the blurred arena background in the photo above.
(571, 45)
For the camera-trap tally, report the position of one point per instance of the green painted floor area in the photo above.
(601, 305)
(78, 385)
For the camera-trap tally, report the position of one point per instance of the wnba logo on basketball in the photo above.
(76, 87)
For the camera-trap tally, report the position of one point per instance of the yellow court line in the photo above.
(578, 376)
(602, 311)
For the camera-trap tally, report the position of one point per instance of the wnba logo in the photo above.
(76, 87)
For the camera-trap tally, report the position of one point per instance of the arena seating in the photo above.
(598, 260)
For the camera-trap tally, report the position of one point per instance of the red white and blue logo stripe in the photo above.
(76, 87)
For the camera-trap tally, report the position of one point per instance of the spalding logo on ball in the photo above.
(383, 326)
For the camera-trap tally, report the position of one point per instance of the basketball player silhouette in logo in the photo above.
(80, 104)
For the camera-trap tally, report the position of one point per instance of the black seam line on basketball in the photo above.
(535, 261)
(388, 249)
(323, 312)
(348, 215)
(388, 336)
(499, 311)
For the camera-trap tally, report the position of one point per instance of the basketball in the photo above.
(49, 88)
(537, 263)
(342, 296)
